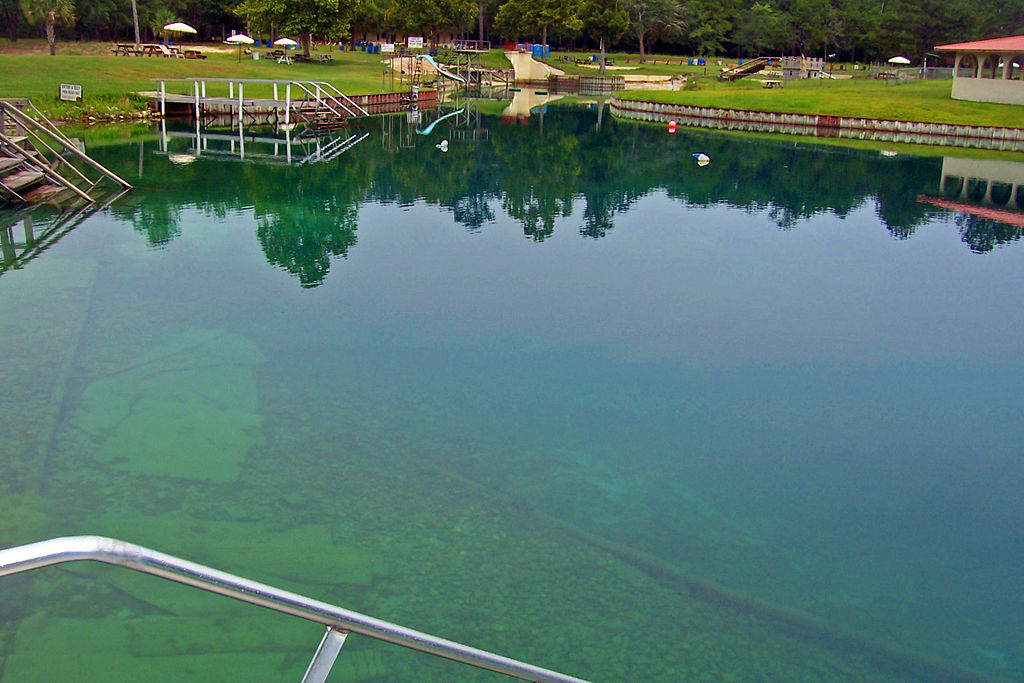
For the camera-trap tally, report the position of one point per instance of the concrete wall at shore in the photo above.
(944, 134)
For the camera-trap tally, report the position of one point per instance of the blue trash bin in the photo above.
(547, 50)
(741, 63)
(376, 49)
(700, 62)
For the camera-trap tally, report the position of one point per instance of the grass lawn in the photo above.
(108, 83)
(909, 101)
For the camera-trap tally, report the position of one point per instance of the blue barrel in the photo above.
(376, 49)
(700, 62)
(741, 63)
(535, 50)
(547, 50)
(690, 61)
(362, 48)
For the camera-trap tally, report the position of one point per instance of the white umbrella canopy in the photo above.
(286, 42)
(239, 39)
(180, 27)
(899, 60)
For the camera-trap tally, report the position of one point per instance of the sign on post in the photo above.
(71, 92)
(387, 47)
(415, 42)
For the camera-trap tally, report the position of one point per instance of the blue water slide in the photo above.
(429, 129)
(446, 74)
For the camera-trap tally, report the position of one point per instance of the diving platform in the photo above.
(256, 101)
(269, 102)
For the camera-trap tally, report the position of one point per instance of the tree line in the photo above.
(851, 30)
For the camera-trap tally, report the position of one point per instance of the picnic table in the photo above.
(771, 83)
(324, 57)
(284, 58)
(147, 50)
(194, 54)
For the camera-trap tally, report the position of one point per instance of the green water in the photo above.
(558, 393)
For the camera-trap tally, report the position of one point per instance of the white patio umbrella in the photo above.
(179, 27)
(899, 60)
(239, 39)
(286, 42)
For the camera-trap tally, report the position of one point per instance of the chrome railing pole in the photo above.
(115, 552)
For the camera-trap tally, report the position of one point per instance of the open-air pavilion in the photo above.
(988, 70)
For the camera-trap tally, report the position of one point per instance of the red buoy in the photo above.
(671, 126)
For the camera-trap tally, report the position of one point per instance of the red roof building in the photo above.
(988, 70)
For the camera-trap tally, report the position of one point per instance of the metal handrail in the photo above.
(344, 98)
(339, 621)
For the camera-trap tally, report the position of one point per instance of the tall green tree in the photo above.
(326, 19)
(605, 20)
(652, 19)
(431, 17)
(710, 23)
(761, 30)
(535, 17)
(10, 17)
(49, 13)
(919, 25)
(859, 21)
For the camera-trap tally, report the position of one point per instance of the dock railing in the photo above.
(339, 622)
(323, 95)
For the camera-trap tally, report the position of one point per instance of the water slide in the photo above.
(746, 69)
(446, 74)
(529, 69)
(429, 129)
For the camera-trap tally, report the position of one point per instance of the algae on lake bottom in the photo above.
(188, 408)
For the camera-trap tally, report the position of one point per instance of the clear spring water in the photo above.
(559, 393)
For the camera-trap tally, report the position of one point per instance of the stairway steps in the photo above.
(44, 192)
(8, 162)
(21, 179)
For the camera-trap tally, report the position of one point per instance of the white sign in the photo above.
(415, 42)
(387, 47)
(72, 93)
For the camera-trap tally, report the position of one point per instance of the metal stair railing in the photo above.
(42, 128)
(339, 622)
(11, 147)
(342, 97)
(320, 101)
(327, 94)
(334, 148)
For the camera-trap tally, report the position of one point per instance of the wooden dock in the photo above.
(253, 101)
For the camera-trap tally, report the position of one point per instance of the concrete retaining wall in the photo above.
(943, 134)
